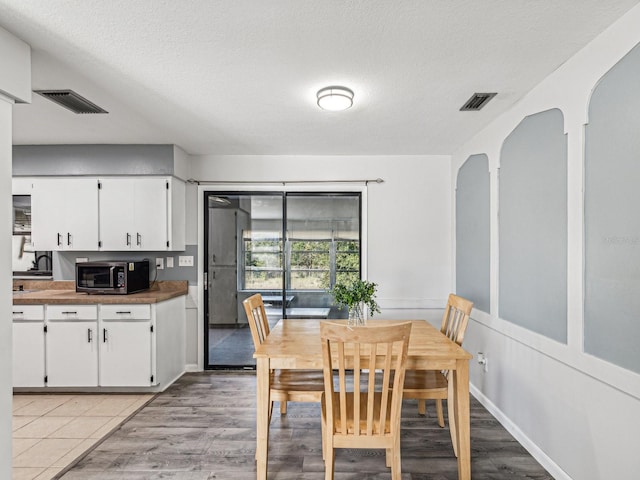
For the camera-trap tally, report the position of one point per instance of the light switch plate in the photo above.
(185, 260)
(169, 262)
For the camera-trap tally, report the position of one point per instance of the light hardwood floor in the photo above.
(203, 428)
(51, 430)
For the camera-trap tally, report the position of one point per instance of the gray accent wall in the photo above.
(64, 263)
(612, 222)
(533, 226)
(473, 232)
(42, 160)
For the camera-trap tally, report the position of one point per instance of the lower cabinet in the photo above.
(102, 345)
(72, 345)
(28, 346)
(126, 343)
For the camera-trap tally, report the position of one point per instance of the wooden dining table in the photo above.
(295, 344)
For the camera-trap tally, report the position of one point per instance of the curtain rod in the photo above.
(287, 182)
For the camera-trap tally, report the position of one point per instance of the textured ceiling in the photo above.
(240, 76)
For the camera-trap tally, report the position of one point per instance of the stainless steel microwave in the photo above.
(116, 277)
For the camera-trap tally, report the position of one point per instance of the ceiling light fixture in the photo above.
(335, 98)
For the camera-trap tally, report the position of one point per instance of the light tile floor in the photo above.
(51, 430)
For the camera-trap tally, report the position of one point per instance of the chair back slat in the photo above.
(257, 317)
(343, 386)
(456, 318)
(371, 405)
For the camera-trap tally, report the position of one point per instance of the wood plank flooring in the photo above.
(203, 428)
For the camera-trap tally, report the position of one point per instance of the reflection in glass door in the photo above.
(322, 249)
(249, 251)
(244, 256)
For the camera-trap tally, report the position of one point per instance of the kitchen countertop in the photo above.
(38, 292)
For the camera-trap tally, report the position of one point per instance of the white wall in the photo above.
(5, 289)
(408, 229)
(576, 413)
(15, 83)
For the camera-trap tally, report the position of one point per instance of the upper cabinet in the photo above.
(110, 214)
(64, 214)
(142, 214)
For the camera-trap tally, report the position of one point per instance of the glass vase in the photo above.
(356, 315)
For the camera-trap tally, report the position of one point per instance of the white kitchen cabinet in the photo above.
(127, 346)
(142, 213)
(64, 214)
(103, 346)
(28, 346)
(72, 345)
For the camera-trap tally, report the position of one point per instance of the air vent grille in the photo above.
(71, 100)
(477, 101)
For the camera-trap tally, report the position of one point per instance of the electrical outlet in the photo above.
(484, 361)
(169, 262)
(160, 263)
(185, 260)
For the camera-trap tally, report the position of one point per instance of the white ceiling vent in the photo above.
(71, 100)
(477, 101)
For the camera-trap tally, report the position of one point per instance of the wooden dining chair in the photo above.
(286, 385)
(426, 385)
(363, 406)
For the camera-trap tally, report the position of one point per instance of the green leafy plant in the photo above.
(359, 291)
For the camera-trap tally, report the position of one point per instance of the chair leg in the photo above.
(440, 413)
(329, 462)
(387, 457)
(283, 407)
(422, 406)
(396, 469)
(452, 425)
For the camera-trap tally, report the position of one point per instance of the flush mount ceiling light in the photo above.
(335, 98)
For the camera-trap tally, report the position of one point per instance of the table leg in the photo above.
(461, 395)
(262, 417)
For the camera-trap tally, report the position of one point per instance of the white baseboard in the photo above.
(535, 451)
(192, 367)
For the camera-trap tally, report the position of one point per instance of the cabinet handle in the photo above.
(69, 313)
(89, 335)
(59, 242)
(68, 239)
(138, 239)
(18, 313)
(124, 313)
(104, 335)
(128, 240)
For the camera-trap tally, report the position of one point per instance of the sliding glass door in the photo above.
(289, 247)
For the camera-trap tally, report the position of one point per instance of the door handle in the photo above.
(128, 240)
(68, 239)
(59, 239)
(89, 335)
(104, 335)
(138, 239)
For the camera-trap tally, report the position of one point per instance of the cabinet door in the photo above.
(150, 211)
(48, 205)
(125, 353)
(28, 354)
(116, 213)
(81, 214)
(72, 353)
(65, 214)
